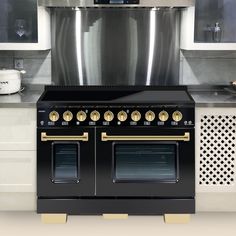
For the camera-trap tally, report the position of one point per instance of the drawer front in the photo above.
(17, 171)
(17, 129)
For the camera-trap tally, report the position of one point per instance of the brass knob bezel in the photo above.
(81, 116)
(108, 116)
(136, 116)
(67, 116)
(177, 116)
(94, 115)
(54, 116)
(122, 114)
(163, 116)
(150, 116)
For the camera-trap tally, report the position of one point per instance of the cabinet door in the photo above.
(17, 129)
(215, 21)
(17, 171)
(18, 21)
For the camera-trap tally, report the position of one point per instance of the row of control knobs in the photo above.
(121, 116)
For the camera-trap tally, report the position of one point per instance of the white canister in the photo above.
(10, 81)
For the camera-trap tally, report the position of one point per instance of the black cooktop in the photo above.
(121, 94)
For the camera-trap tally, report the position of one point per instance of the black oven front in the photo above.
(116, 162)
(65, 163)
(145, 162)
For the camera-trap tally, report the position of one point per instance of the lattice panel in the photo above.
(217, 150)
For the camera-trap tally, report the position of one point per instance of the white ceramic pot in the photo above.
(10, 81)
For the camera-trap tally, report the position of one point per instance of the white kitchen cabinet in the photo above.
(17, 158)
(18, 201)
(17, 171)
(24, 26)
(216, 159)
(190, 41)
(17, 129)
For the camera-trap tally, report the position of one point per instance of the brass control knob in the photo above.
(163, 116)
(135, 116)
(108, 116)
(81, 116)
(150, 116)
(122, 116)
(53, 116)
(177, 116)
(67, 116)
(95, 116)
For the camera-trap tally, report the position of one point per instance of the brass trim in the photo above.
(163, 116)
(177, 218)
(115, 216)
(67, 116)
(84, 137)
(54, 116)
(150, 116)
(177, 116)
(108, 116)
(122, 116)
(54, 218)
(136, 116)
(185, 137)
(95, 116)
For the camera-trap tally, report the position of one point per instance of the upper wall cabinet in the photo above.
(24, 25)
(210, 25)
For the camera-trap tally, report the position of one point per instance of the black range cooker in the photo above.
(126, 150)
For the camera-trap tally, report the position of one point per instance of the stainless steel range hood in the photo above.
(116, 3)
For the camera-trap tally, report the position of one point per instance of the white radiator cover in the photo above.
(215, 159)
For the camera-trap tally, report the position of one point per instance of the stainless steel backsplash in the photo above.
(115, 46)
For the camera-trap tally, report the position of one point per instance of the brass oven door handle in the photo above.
(185, 137)
(84, 137)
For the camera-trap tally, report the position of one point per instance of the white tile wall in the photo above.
(36, 63)
(207, 67)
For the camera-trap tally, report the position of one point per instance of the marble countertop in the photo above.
(204, 96)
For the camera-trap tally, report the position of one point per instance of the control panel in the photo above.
(164, 116)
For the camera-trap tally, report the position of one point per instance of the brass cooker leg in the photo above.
(54, 218)
(177, 218)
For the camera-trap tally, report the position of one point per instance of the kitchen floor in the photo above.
(28, 223)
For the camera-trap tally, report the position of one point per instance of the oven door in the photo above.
(65, 162)
(145, 162)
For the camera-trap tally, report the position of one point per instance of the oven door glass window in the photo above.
(145, 162)
(65, 162)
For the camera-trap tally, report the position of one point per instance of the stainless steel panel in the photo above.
(109, 46)
(90, 3)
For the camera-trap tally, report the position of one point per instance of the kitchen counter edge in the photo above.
(208, 96)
